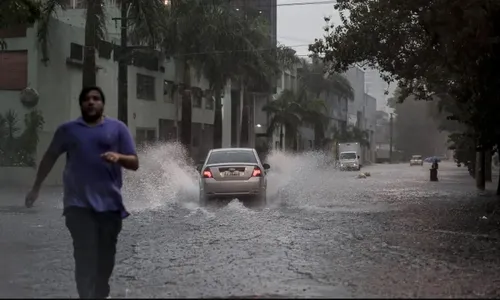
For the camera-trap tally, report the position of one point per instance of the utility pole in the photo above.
(390, 138)
(122, 65)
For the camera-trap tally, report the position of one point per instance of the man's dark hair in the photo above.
(87, 90)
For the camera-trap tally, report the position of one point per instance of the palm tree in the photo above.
(144, 18)
(17, 12)
(315, 76)
(352, 134)
(203, 37)
(219, 43)
(229, 46)
(258, 66)
(286, 113)
(318, 82)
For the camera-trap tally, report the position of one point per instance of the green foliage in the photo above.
(415, 130)
(17, 12)
(314, 77)
(19, 148)
(286, 111)
(433, 49)
(145, 18)
(463, 146)
(352, 134)
(309, 105)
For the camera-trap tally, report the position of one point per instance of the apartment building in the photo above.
(153, 108)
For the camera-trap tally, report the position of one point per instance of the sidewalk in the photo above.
(14, 196)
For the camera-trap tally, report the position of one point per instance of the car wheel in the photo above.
(203, 201)
(261, 200)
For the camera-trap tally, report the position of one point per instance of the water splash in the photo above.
(166, 178)
(305, 179)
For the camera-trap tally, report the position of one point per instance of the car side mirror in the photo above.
(266, 166)
(198, 167)
(358, 156)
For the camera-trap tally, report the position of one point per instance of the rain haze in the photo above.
(195, 155)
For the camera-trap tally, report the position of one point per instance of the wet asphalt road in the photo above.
(323, 234)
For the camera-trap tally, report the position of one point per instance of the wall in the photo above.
(356, 78)
(59, 83)
(287, 81)
(371, 125)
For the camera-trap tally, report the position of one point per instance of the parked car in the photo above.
(416, 160)
(233, 173)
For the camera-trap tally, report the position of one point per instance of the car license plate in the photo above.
(231, 174)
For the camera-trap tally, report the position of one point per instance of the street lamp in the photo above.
(390, 137)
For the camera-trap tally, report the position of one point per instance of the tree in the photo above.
(285, 114)
(17, 13)
(144, 18)
(415, 131)
(318, 82)
(352, 134)
(318, 79)
(217, 42)
(291, 110)
(431, 48)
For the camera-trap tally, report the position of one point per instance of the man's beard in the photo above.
(91, 118)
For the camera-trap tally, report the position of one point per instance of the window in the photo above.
(76, 51)
(209, 99)
(79, 4)
(196, 134)
(232, 156)
(14, 66)
(144, 136)
(348, 155)
(145, 87)
(13, 32)
(168, 91)
(197, 97)
(209, 103)
(105, 49)
(166, 130)
(74, 4)
(288, 85)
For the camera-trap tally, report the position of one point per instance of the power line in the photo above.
(306, 3)
(242, 50)
(293, 39)
(281, 4)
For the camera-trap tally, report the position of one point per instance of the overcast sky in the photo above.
(299, 25)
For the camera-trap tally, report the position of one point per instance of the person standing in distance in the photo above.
(97, 148)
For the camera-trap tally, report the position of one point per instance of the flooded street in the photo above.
(323, 234)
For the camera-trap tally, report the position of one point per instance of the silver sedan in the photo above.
(233, 173)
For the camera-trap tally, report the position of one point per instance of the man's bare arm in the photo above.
(129, 162)
(48, 161)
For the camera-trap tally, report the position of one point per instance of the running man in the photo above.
(97, 148)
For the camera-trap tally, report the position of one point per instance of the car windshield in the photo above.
(417, 157)
(348, 155)
(221, 157)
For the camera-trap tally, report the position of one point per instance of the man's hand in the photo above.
(111, 156)
(31, 197)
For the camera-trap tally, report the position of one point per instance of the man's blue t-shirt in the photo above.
(89, 180)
